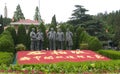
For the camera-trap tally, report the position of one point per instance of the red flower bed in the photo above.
(35, 57)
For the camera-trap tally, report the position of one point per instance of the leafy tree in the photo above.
(36, 14)
(18, 14)
(54, 21)
(21, 35)
(1, 24)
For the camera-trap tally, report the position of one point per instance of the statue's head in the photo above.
(39, 30)
(59, 30)
(33, 29)
(51, 29)
(68, 29)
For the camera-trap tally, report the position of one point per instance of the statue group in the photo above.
(56, 39)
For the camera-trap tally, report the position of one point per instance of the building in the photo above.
(26, 22)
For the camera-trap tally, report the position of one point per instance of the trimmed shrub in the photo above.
(94, 44)
(112, 54)
(20, 47)
(6, 42)
(6, 58)
(13, 33)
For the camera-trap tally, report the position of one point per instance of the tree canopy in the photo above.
(18, 14)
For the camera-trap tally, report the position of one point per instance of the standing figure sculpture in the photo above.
(33, 39)
(52, 39)
(40, 40)
(60, 39)
(69, 41)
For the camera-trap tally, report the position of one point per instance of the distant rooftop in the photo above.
(25, 22)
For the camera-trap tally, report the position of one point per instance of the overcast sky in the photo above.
(61, 8)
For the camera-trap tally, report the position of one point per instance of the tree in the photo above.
(53, 22)
(1, 24)
(6, 21)
(79, 15)
(36, 14)
(21, 35)
(18, 14)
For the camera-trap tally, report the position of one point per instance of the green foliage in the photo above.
(84, 46)
(18, 14)
(7, 21)
(13, 33)
(94, 44)
(43, 29)
(98, 67)
(1, 24)
(79, 15)
(21, 35)
(6, 58)
(20, 47)
(6, 42)
(63, 27)
(78, 33)
(112, 54)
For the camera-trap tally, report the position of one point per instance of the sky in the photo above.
(61, 8)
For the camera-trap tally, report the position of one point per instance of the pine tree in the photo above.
(53, 22)
(21, 35)
(36, 14)
(18, 14)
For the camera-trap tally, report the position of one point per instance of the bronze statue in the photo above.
(52, 39)
(40, 40)
(33, 39)
(60, 39)
(69, 41)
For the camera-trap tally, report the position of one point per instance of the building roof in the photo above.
(25, 22)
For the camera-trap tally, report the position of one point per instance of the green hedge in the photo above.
(6, 42)
(113, 54)
(93, 42)
(69, 67)
(6, 58)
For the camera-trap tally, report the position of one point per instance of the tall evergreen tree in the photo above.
(43, 29)
(1, 24)
(36, 14)
(21, 35)
(79, 15)
(53, 22)
(18, 14)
